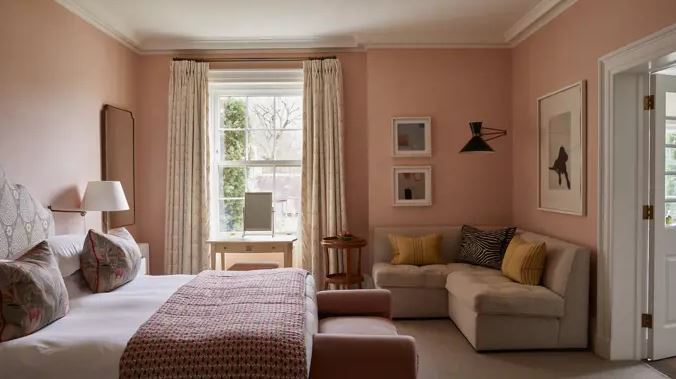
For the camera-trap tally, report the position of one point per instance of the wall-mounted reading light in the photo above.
(477, 144)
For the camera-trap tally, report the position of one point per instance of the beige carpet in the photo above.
(444, 353)
(666, 366)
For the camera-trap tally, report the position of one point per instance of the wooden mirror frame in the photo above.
(118, 150)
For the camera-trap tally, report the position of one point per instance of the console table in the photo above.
(253, 244)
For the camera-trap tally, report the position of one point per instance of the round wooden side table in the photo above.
(343, 249)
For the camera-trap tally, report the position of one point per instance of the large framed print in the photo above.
(562, 162)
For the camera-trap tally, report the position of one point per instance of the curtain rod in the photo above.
(252, 59)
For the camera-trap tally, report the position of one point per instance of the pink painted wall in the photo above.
(152, 138)
(565, 51)
(57, 72)
(453, 87)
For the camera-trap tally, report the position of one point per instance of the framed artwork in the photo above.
(412, 137)
(412, 186)
(562, 150)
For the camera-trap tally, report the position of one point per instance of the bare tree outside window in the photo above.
(259, 146)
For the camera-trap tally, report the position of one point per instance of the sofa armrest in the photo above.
(354, 303)
(343, 356)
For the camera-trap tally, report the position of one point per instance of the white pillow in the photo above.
(67, 249)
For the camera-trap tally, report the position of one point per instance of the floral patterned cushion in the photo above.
(109, 260)
(32, 293)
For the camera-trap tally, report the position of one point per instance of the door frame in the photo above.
(621, 269)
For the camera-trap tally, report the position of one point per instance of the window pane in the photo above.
(670, 214)
(231, 215)
(670, 159)
(670, 186)
(289, 145)
(259, 179)
(287, 199)
(260, 145)
(671, 132)
(671, 104)
(261, 112)
(233, 112)
(231, 182)
(290, 112)
(231, 145)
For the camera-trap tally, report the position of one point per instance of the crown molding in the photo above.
(163, 45)
(114, 33)
(377, 46)
(537, 17)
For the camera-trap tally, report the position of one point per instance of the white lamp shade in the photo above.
(104, 196)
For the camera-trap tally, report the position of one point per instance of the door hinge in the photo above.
(646, 320)
(648, 102)
(648, 212)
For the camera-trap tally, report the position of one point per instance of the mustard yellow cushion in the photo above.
(524, 261)
(419, 251)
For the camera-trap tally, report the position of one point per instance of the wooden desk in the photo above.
(253, 245)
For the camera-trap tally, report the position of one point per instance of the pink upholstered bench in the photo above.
(357, 338)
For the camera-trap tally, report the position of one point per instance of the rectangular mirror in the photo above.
(117, 148)
(258, 212)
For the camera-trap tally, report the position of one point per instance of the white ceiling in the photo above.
(164, 25)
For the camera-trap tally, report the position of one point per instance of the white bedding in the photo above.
(89, 341)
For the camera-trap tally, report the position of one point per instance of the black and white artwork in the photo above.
(559, 147)
(561, 150)
(411, 137)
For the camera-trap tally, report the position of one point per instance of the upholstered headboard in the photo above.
(24, 222)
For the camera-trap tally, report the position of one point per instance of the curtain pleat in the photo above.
(187, 205)
(323, 184)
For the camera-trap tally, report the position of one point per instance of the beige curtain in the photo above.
(187, 208)
(323, 188)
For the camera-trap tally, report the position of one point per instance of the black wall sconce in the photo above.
(477, 144)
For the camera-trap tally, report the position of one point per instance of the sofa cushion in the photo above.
(390, 275)
(371, 326)
(484, 247)
(387, 275)
(419, 251)
(489, 292)
(524, 261)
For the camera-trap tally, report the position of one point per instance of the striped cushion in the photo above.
(524, 261)
(484, 247)
(419, 251)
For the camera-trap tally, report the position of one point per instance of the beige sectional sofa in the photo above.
(492, 311)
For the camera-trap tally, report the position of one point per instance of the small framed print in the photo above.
(412, 137)
(412, 186)
(561, 150)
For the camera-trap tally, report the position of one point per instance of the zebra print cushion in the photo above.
(484, 247)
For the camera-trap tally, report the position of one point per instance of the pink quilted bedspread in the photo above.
(225, 325)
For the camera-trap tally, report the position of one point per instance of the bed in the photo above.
(90, 340)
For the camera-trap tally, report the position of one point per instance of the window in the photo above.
(256, 121)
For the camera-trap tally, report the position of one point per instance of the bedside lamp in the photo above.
(105, 196)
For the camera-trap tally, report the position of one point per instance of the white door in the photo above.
(662, 337)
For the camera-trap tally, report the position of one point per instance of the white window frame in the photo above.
(233, 83)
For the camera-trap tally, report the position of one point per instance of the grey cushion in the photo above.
(387, 275)
(489, 292)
